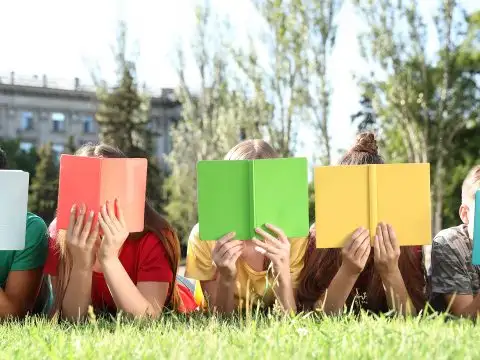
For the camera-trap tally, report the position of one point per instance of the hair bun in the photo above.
(366, 143)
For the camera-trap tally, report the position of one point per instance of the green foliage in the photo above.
(19, 159)
(71, 147)
(123, 118)
(44, 186)
(213, 121)
(422, 103)
(257, 337)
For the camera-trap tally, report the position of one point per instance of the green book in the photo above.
(241, 195)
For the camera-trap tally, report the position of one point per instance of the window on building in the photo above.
(26, 120)
(58, 122)
(87, 124)
(58, 149)
(26, 146)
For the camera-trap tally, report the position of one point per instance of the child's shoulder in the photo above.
(452, 236)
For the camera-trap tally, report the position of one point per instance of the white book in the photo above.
(13, 209)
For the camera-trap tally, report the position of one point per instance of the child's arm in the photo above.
(224, 255)
(277, 249)
(80, 239)
(387, 253)
(451, 278)
(20, 293)
(354, 257)
(464, 305)
(77, 296)
(25, 273)
(146, 298)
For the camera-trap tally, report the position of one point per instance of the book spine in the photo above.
(251, 180)
(373, 202)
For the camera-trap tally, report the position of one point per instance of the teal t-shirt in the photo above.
(33, 256)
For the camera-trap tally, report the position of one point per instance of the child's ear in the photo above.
(463, 212)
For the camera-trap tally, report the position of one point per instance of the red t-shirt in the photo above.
(144, 259)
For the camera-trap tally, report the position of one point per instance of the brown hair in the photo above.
(251, 150)
(154, 223)
(471, 184)
(321, 265)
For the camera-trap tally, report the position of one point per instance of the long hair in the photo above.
(154, 223)
(321, 265)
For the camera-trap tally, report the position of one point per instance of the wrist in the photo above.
(227, 277)
(390, 275)
(349, 271)
(78, 267)
(107, 260)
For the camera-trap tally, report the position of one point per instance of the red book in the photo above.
(92, 181)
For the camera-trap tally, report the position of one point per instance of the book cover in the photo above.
(93, 181)
(13, 209)
(476, 231)
(347, 197)
(240, 195)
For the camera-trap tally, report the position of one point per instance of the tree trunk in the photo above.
(438, 189)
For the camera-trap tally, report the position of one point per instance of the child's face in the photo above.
(467, 214)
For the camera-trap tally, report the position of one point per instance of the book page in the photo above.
(280, 188)
(341, 203)
(126, 180)
(79, 183)
(224, 198)
(13, 209)
(403, 195)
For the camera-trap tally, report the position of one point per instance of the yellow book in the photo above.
(347, 197)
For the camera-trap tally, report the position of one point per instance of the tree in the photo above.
(123, 118)
(71, 147)
(44, 186)
(292, 78)
(122, 113)
(422, 102)
(320, 15)
(214, 118)
(19, 159)
(279, 81)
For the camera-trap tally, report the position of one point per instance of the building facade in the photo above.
(36, 111)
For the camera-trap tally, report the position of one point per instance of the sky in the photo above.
(65, 39)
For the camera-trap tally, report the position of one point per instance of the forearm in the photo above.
(7, 307)
(284, 292)
(333, 300)
(224, 300)
(397, 294)
(124, 292)
(77, 297)
(472, 310)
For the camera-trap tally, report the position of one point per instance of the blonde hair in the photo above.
(251, 150)
(471, 184)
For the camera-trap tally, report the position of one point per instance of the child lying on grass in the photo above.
(455, 282)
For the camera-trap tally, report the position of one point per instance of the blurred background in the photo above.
(185, 80)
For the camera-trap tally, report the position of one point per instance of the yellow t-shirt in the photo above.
(251, 284)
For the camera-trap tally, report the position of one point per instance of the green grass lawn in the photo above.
(262, 337)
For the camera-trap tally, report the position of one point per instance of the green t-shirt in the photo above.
(33, 256)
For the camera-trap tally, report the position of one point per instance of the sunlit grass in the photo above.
(252, 337)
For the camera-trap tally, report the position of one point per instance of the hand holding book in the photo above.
(386, 250)
(82, 237)
(276, 248)
(225, 255)
(356, 251)
(114, 231)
